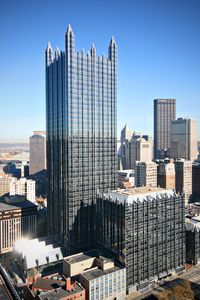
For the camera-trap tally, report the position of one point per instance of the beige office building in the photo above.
(184, 139)
(166, 175)
(183, 170)
(146, 174)
(138, 149)
(5, 181)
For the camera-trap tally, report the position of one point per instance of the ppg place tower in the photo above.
(81, 95)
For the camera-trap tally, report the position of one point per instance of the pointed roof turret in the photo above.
(112, 49)
(93, 50)
(49, 47)
(112, 41)
(57, 52)
(49, 54)
(69, 29)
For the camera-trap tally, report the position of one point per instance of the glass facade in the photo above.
(147, 236)
(81, 91)
(164, 113)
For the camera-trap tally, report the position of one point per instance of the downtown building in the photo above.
(183, 179)
(146, 174)
(184, 139)
(18, 220)
(37, 161)
(81, 92)
(139, 148)
(144, 228)
(164, 113)
(166, 174)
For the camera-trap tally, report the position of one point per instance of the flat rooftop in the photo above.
(139, 193)
(81, 256)
(48, 284)
(192, 224)
(95, 272)
(16, 205)
(60, 293)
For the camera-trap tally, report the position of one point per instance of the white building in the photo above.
(23, 186)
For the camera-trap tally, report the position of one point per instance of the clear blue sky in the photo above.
(159, 56)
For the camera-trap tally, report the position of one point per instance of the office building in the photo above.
(5, 180)
(196, 182)
(166, 175)
(18, 219)
(139, 148)
(81, 138)
(193, 240)
(145, 229)
(24, 187)
(164, 113)
(146, 174)
(99, 275)
(37, 152)
(184, 139)
(183, 171)
(126, 136)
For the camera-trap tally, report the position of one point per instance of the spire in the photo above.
(57, 54)
(112, 49)
(69, 30)
(49, 54)
(49, 47)
(69, 40)
(93, 50)
(112, 41)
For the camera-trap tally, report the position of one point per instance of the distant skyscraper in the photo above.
(184, 139)
(139, 148)
(81, 92)
(37, 152)
(164, 113)
(126, 135)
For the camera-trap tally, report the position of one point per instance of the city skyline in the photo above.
(158, 57)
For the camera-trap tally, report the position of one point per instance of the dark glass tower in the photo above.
(81, 92)
(164, 113)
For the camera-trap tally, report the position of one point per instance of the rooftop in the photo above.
(15, 205)
(81, 256)
(48, 284)
(95, 272)
(38, 252)
(138, 193)
(60, 293)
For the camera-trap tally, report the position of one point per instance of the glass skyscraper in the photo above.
(164, 114)
(81, 92)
